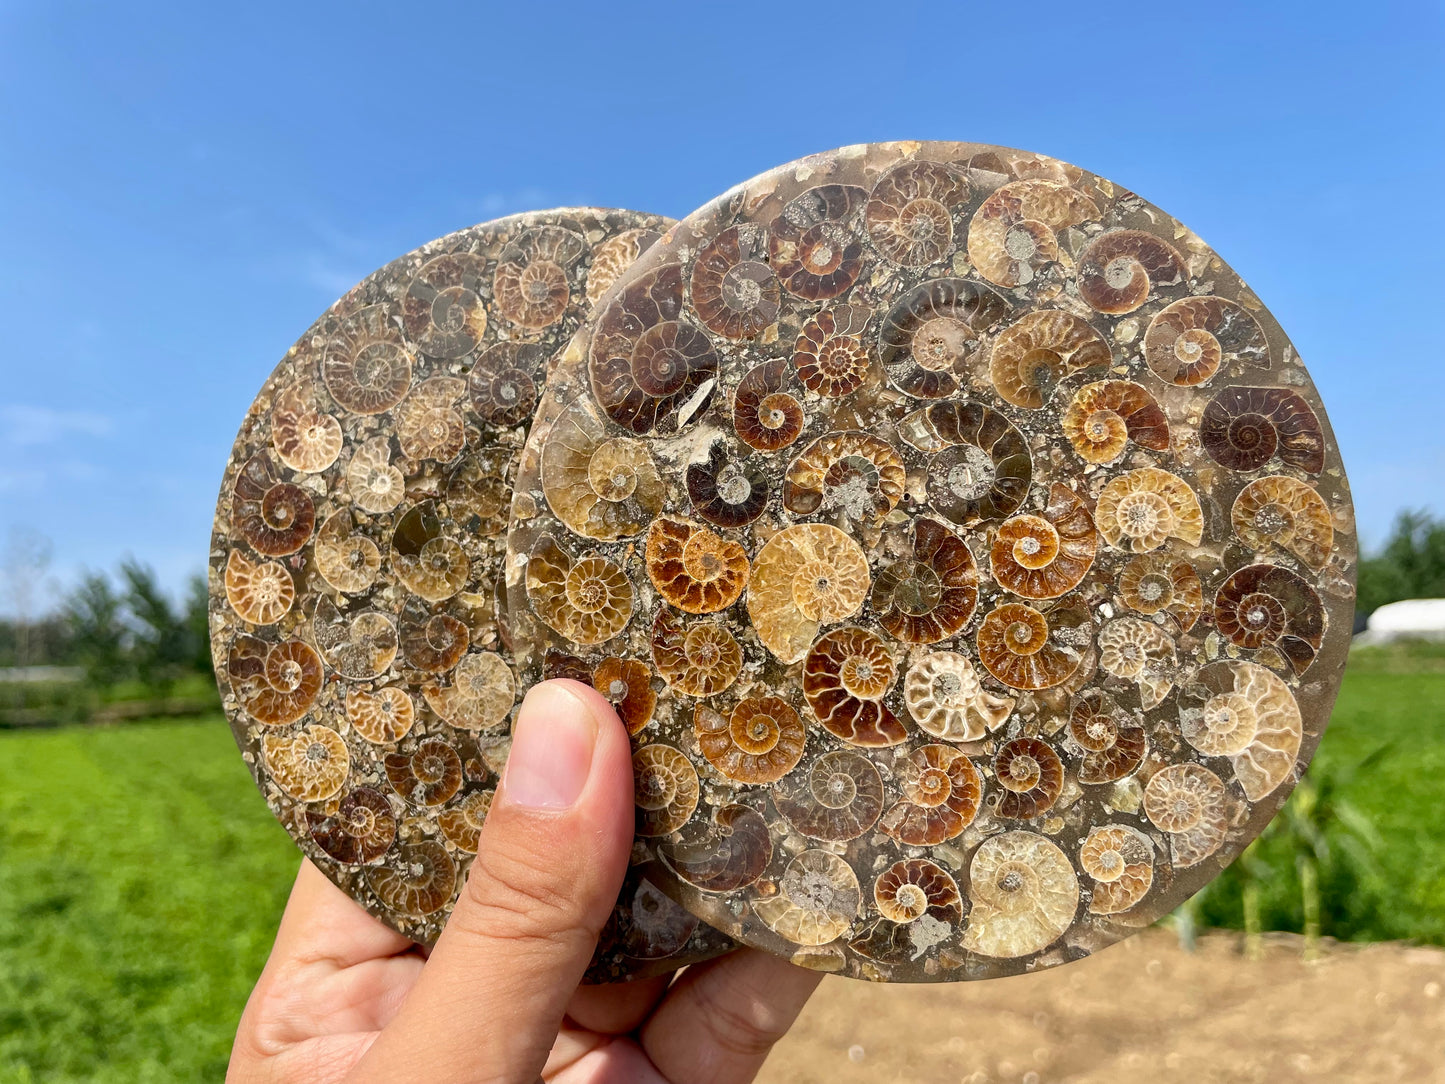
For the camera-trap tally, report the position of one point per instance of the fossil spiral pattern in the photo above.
(357, 598)
(989, 551)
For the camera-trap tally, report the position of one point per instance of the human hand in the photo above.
(497, 1001)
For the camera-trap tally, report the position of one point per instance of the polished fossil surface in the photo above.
(357, 617)
(964, 544)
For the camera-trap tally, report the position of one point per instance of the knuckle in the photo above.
(733, 1029)
(266, 1023)
(517, 894)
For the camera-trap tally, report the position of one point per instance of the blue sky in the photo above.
(183, 189)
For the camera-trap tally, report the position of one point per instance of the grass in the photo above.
(50, 703)
(189, 686)
(1395, 697)
(141, 876)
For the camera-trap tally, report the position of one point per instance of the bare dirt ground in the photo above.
(1143, 1010)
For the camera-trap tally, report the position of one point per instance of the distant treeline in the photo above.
(124, 632)
(131, 641)
(1410, 565)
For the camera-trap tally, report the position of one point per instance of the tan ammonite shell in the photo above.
(357, 597)
(760, 742)
(261, 592)
(382, 717)
(1270, 607)
(918, 904)
(1284, 513)
(1024, 894)
(1189, 802)
(627, 685)
(1188, 341)
(804, 577)
(1013, 236)
(1140, 652)
(1154, 583)
(1024, 649)
(1034, 353)
(1120, 861)
(667, 789)
(817, 899)
(588, 600)
(1140, 509)
(359, 832)
(908, 890)
(731, 854)
(1048, 555)
(1247, 713)
(930, 594)
(480, 695)
(698, 658)
(695, 569)
(941, 796)
(603, 487)
(946, 698)
(1107, 417)
(309, 765)
(306, 439)
(1112, 742)
(977, 479)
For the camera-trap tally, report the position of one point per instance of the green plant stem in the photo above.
(1186, 923)
(1310, 897)
(1253, 943)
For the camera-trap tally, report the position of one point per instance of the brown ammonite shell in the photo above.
(357, 610)
(990, 462)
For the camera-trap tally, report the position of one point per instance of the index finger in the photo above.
(720, 1019)
(323, 923)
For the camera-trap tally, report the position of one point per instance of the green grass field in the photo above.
(141, 877)
(1396, 698)
(1385, 751)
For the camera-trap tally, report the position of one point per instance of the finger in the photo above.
(341, 966)
(334, 972)
(617, 1007)
(720, 1019)
(608, 1061)
(322, 922)
(548, 869)
(596, 1014)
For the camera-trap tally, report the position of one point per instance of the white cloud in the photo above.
(497, 204)
(25, 424)
(24, 478)
(333, 278)
(20, 479)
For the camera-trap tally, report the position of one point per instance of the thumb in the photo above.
(548, 869)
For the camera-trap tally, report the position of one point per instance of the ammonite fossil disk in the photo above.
(357, 617)
(988, 538)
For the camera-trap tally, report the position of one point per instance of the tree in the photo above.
(1410, 565)
(198, 622)
(99, 636)
(163, 648)
(47, 640)
(23, 562)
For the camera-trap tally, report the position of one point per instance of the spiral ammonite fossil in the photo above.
(357, 611)
(989, 550)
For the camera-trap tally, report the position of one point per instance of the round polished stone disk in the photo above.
(356, 619)
(986, 534)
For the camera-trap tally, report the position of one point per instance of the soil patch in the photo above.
(1143, 1010)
